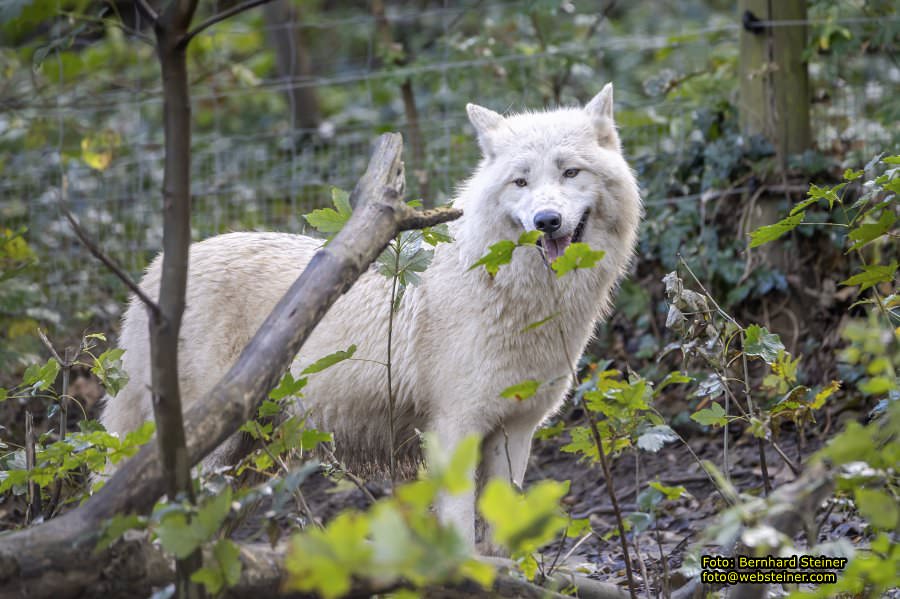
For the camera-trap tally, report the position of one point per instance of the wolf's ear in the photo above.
(486, 122)
(600, 109)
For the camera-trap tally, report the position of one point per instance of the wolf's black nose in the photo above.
(547, 221)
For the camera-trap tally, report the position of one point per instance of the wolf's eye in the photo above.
(520, 182)
(571, 173)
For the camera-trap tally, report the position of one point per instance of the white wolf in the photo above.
(460, 336)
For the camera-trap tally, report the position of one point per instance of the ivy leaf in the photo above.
(711, 416)
(872, 275)
(577, 255)
(331, 220)
(521, 391)
(758, 341)
(330, 360)
(867, 233)
(769, 233)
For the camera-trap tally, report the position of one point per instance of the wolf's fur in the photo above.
(459, 337)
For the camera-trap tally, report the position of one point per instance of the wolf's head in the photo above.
(560, 172)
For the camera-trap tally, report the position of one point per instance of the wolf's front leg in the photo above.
(457, 510)
(505, 456)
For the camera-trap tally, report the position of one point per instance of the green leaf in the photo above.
(480, 572)
(459, 474)
(853, 175)
(501, 252)
(537, 324)
(312, 437)
(711, 416)
(758, 341)
(669, 492)
(328, 220)
(819, 400)
(521, 391)
(769, 233)
(523, 523)
(878, 507)
(867, 233)
(212, 514)
(177, 536)
(110, 370)
(330, 360)
(4, 393)
(872, 275)
(498, 254)
(324, 560)
(116, 526)
(228, 555)
(210, 578)
(577, 255)
(288, 386)
(41, 377)
(437, 234)
(529, 238)
(673, 378)
(877, 385)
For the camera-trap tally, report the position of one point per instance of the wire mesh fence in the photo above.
(255, 166)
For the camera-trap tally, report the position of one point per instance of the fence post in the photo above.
(774, 91)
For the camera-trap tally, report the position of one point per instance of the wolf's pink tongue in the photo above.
(556, 247)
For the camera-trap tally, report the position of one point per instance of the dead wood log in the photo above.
(64, 546)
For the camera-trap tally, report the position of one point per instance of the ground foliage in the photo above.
(735, 358)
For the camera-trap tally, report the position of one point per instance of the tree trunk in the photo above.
(774, 93)
(293, 62)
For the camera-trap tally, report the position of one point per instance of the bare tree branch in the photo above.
(225, 14)
(108, 262)
(148, 10)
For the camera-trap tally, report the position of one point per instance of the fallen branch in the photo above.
(63, 546)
